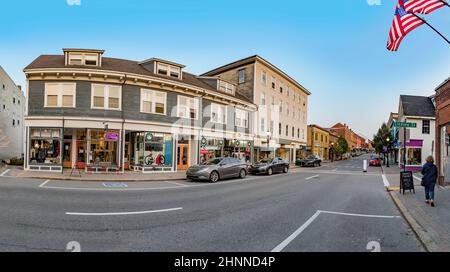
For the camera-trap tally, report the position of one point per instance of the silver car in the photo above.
(217, 169)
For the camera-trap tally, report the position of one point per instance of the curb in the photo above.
(426, 241)
(86, 179)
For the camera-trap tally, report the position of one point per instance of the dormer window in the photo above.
(226, 87)
(168, 70)
(83, 57)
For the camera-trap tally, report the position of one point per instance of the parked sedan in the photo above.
(312, 160)
(374, 161)
(269, 166)
(217, 169)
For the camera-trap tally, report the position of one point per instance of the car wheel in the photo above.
(214, 177)
(242, 174)
(315, 164)
(285, 169)
(270, 171)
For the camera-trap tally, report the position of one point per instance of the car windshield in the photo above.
(265, 161)
(311, 158)
(212, 162)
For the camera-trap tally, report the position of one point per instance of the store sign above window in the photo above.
(111, 136)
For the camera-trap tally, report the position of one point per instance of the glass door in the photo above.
(183, 157)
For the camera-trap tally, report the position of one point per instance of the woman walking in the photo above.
(429, 172)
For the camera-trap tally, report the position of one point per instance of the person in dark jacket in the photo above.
(430, 173)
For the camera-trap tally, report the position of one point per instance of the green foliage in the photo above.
(382, 138)
(342, 142)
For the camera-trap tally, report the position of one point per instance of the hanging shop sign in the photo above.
(148, 137)
(111, 136)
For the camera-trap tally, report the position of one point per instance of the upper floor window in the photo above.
(60, 95)
(106, 97)
(18, 101)
(241, 118)
(425, 126)
(298, 133)
(218, 113)
(241, 76)
(168, 70)
(273, 82)
(263, 99)
(14, 122)
(263, 124)
(14, 100)
(226, 87)
(264, 77)
(287, 130)
(279, 129)
(281, 87)
(293, 132)
(4, 87)
(187, 107)
(153, 101)
(83, 59)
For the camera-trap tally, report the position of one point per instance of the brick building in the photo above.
(442, 100)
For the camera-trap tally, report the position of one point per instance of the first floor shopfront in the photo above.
(288, 151)
(108, 146)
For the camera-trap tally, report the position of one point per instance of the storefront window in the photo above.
(414, 156)
(153, 150)
(45, 146)
(103, 146)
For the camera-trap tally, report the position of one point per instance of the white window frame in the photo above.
(243, 116)
(263, 99)
(222, 112)
(187, 107)
(228, 87)
(153, 94)
(264, 78)
(83, 57)
(243, 76)
(106, 97)
(60, 94)
(169, 69)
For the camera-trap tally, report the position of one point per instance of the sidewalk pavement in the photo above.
(431, 225)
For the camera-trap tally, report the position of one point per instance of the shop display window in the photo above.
(153, 149)
(45, 146)
(414, 156)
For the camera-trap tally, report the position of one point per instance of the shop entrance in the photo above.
(67, 151)
(183, 156)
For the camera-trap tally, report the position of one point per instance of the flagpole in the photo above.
(423, 20)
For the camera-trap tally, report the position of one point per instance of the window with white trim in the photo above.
(83, 59)
(187, 107)
(60, 95)
(241, 77)
(106, 97)
(241, 118)
(226, 87)
(153, 101)
(168, 70)
(263, 99)
(273, 82)
(218, 113)
(264, 77)
(263, 124)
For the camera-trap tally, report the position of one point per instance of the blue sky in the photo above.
(336, 48)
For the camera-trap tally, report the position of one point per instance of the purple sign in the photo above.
(111, 136)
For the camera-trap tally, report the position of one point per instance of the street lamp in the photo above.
(332, 151)
(387, 151)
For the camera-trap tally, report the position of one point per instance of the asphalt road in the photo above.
(335, 207)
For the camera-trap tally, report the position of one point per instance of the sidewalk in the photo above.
(112, 177)
(431, 225)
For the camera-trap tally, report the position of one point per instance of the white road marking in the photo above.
(4, 172)
(362, 215)
(296, 233)
(175, 183)
(417, 178)
(43, 183)
(316, 176)
(385, 181)
(123, 213)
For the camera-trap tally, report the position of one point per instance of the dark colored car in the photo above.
(269, 166)
(374, 161)
(312, 160)
(217, 169)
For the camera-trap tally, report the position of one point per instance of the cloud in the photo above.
(374, 2)
(77, 2)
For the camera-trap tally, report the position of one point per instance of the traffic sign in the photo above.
(405, 125)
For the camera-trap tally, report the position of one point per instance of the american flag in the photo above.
(423, 6)
(404, 22)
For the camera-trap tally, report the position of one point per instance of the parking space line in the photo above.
(123, 213)
(309, 178)
(175, 183)
(43, 184)
(4, 172)
(385, 181)
(296, 233)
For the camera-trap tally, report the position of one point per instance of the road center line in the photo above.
(316, 176)
(385, 181)
(123, 213)
(4, 172)
(43, 183)
(294, 235)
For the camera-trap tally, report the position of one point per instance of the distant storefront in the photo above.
(442, 100)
